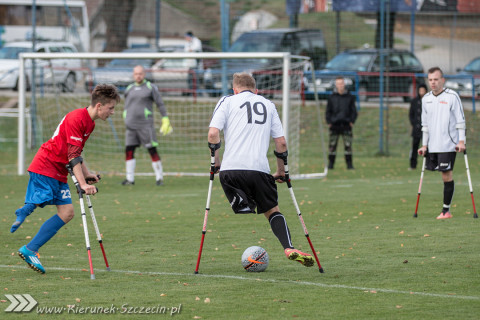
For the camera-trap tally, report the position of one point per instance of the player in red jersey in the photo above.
(47, 184)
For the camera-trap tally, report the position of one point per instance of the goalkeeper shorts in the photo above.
(145, 136)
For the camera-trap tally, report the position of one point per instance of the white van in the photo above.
(56, 20)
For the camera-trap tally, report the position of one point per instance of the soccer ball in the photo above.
(255, 259)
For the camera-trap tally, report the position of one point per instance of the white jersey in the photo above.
(248, 121)
(442, 115)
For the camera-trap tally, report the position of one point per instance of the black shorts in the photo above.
(443, 161)
(246, 190)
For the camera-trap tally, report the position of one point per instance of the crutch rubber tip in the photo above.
(108, 268)
(321, 270)
(92, 277)
(415, 215)
(475, 215)
(196, 272)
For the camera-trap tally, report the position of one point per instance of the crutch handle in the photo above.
(92, 179)
(83, 191)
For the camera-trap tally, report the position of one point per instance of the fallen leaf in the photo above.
(162, 294)
(401, 232)
(426, 235)
(207, 300)
(398, 306)
(197, 298)
(78, 299)
(405, 261)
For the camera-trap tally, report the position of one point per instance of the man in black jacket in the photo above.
(415, 115)
(340, 116)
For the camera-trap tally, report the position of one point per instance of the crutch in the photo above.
(84, 220)
(470, 183)
(212, 147)
(420, 187)
(99, 237)
(283, 156)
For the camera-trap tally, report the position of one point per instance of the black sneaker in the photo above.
(159, 182)
(127, 182)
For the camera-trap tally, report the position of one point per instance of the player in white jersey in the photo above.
(248, 121)
(443, 126)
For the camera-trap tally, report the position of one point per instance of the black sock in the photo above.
(448, 189)
(280, 229)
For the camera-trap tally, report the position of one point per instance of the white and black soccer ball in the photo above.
(255, 259)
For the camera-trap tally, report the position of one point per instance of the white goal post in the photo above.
(283, 93)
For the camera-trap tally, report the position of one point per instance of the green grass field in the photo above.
(380, 262)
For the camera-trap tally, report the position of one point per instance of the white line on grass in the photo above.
(305, 283)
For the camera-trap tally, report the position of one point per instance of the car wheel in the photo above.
(362, 93)
(70, 83)
(27, 84)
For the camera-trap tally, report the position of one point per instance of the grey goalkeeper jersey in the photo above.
(139, 99)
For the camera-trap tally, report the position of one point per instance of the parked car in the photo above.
(174, 75)
(306, 42)
(119, 71)
(352, 63)
(66, 72)
(462, 82)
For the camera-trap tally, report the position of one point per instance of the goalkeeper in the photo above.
(140, 130)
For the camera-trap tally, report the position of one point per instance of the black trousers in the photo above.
(413, 152)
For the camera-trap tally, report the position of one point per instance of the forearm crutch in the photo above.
(212, 147)
(470, 183)
(99, 236)
(84, 219)
(284, 156)
(420, 187)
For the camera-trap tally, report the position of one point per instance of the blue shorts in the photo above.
(43, 190)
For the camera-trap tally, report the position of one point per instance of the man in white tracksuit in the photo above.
(443, 127)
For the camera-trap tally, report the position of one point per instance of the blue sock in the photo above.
(22, 214)
(48, 229)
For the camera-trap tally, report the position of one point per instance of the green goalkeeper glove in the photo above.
(166, 127)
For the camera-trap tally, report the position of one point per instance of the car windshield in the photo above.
(473, 66)
(256, 42)
(12, 52)
(350, 62)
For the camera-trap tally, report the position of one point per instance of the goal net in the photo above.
(190, 84)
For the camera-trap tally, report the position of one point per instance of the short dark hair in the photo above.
(435, 69)
(243, 80)
(189, 34)
(104, 93)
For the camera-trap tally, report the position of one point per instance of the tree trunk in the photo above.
(388, 33)
(117, 14)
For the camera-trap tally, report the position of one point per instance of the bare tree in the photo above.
(117, 14)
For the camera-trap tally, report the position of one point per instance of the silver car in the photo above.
(63, 72)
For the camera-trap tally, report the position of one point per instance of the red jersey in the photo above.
(52, 157)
